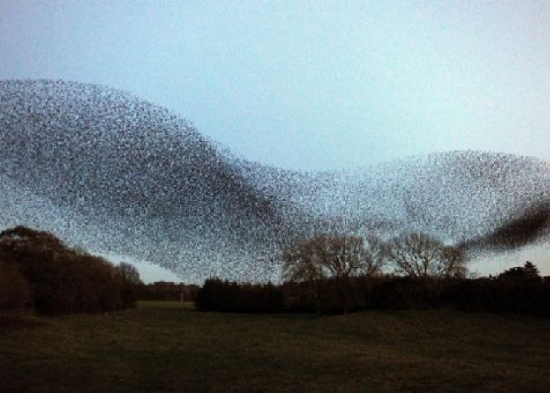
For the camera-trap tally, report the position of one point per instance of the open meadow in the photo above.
(167, 346)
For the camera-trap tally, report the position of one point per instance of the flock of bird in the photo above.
(111, 173)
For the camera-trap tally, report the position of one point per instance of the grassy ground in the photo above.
(164, 346)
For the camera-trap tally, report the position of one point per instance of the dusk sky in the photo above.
(308, 84)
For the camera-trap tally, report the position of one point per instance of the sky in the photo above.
(308, 85)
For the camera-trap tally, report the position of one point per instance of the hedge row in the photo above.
(528, 296)
(225, 296)
(163, 290)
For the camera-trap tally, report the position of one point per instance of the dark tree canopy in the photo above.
(527, 272)
(62, 279)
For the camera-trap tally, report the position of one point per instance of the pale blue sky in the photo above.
(308, 84)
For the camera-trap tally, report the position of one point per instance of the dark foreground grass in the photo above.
(167, 347)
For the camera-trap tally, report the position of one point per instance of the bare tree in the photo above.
(374, 256)
(332, 256)
(420, 255)
(301, 264)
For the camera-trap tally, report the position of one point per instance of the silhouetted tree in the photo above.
(130, 282)
(62, 280)
(325, 256)
(531, 269)
(301, 264)
(528, 272)
(129, 273)
(420, 255)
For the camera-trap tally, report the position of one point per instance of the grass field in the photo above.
(164, 346)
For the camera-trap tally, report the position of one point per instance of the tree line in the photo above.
(38, 271)
(166, 290)
(328, 273)
(338, 274)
